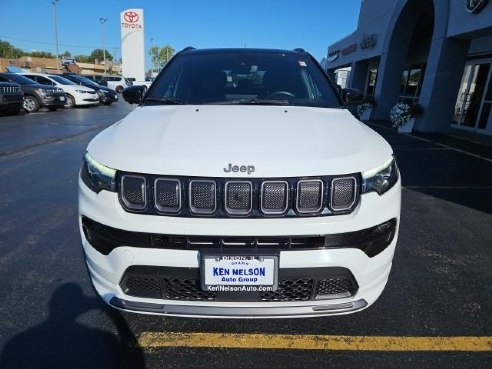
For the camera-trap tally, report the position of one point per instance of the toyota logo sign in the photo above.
(131, 17)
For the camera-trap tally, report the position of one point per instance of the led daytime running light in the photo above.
(108, 172)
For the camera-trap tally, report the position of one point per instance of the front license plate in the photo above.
(239, 273)
(62, 98)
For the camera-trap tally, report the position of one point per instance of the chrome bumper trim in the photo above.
(238, 312)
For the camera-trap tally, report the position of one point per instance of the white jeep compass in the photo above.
(239, 187)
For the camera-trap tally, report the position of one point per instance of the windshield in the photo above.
(87, 80)
(21, 80)
(61, 80)
(241, 77)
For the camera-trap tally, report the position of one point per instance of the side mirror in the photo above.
(352, 95)
(134, 94)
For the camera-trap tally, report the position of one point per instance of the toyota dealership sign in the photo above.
(132, 44)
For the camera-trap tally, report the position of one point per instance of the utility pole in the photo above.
(56, 34)
(151, 61)
(102, 21)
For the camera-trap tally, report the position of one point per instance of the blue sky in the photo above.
(311, 24)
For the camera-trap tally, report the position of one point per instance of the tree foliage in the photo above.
(8, 50)
(98, 54)
(159, 56)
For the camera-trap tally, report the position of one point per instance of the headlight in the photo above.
(97, 176)
(81, 91)
(381, 178)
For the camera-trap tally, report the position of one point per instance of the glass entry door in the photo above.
(473, 105)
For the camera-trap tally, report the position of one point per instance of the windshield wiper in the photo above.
(166, 100)
(259, 102)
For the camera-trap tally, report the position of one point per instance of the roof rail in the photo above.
(300, 49)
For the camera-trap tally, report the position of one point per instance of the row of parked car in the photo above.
(32, 91)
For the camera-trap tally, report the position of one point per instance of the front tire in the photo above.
(30, 104)
(70, 102)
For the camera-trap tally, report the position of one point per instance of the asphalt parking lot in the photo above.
(435, 311)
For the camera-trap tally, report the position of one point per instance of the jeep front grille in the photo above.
(254, 198)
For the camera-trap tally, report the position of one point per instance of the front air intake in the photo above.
(202, 196)
(133, 192)
(343, 193)
(309, 196)
(167, 195)
(274, 197)
(238, 197)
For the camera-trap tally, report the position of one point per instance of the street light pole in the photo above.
(102, 21)
(56, 34)
(151, 60)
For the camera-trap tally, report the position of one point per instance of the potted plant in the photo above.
(402, 116)
(364, 110)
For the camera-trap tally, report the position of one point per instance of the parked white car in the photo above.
(76, 95)
(240, 187)
(117, 83)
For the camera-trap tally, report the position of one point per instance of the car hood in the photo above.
(202, 140)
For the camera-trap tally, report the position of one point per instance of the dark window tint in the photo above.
(21, 80)
(244, 77)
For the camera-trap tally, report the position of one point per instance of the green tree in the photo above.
(7, 50)
(98, 54)
(159, 56)
(66, 54)
(41, 54)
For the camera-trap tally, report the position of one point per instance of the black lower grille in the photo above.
(143, 287)
(291, 290)
(182, 284)
(185, 289)
(335, 287)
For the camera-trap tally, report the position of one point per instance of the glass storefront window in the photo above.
(411, 83)
(473, 107)
(371, 82)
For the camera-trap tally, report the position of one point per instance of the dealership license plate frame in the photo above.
(248, 257)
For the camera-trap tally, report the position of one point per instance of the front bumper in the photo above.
(370, 273)
(54, 101)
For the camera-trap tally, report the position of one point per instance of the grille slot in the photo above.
(202, 197)
(334, 288)
(167, 195)
(186, 289)
(309, 196)
(140, 286)
(133, 192)
(291, 290)
(274, 197)
(238, 197)
(343, 193)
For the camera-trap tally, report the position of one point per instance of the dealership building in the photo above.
(437, 53)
